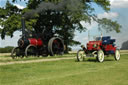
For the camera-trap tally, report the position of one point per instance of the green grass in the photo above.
(67, 72)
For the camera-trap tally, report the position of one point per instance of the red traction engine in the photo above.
(40, 45)
(99, 48)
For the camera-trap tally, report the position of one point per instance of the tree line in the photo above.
(6, 49)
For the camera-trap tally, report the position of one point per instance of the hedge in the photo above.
(7, 49)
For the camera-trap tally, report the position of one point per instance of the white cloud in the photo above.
(19, 6)
(10, 41)
(108, 15)
(119, 3)
(89, 26)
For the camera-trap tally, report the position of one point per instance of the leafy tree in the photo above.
(62, 16)
(9, 19)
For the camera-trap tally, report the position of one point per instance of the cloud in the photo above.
(119, 3)
(88, 25)
(109, 15)
(10, 41)
(19, 6)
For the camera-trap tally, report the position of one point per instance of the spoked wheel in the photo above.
(31, 50)
(55, 46)
(100, 56)
(117, 55)
(81, 55)
(15, 53)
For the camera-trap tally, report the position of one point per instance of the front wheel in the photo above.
(117, 55)
(100, 56)
(81, 55)
(15, 53)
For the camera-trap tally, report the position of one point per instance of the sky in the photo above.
(119, 12)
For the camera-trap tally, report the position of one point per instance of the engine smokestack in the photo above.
(23, 27)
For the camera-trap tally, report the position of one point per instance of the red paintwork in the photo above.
(98, 47)
(36, 42)
(91, 43)
(57, 43)
(109, 47)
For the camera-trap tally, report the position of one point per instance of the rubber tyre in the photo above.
(117, 55)
(50, 46)
(100, 56)
(81, 55)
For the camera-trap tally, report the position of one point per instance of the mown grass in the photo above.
(67, 72)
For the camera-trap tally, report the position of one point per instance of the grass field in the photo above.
(67, 72)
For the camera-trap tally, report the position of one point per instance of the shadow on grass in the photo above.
(91, 60)
(95, 60)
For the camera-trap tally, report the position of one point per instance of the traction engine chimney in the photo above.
(23, 27)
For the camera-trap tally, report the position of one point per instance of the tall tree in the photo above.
(9, 19)
(62, 16)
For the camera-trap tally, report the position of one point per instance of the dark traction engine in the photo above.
(37, 44)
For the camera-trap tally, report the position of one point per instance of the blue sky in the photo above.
(21, 3)
(119, 12)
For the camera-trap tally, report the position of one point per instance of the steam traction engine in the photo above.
(99, 48)
(42, 43)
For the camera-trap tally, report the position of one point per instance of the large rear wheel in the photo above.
(55, 46)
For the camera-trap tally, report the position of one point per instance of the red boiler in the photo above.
(35, 42)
